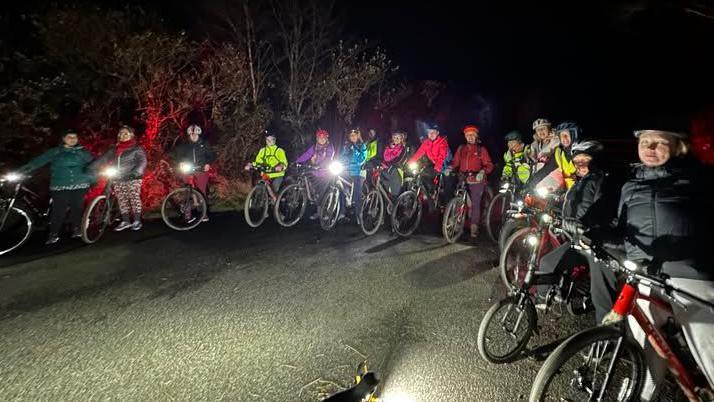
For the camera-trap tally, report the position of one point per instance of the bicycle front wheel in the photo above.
(407, 212)
(495, 214)
(95, 219)
(183, 208)
(372, 212)
(16, 230)
(598, 364)
(256, 205)
(452, 225)
(506, 329)
(329, 210)
(290, 205)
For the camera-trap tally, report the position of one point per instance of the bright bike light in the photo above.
(545, 218)
(519, 203)
(532, 240)
(630, 266)
(185, 167)
(542, 192)
(504, 187)
(110, 172)
(336, 168)
(413, 167)
(11, 177)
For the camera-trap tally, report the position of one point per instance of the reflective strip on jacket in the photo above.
(520, 162)
(272, 156)
(566, 166)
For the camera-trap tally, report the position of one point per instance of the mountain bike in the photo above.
(184, 208)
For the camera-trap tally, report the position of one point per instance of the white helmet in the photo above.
(193, 129)
(540, 123)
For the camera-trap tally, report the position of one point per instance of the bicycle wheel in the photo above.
(372, 212)
(495, 213)
(95, 219)
(506, 329)
(290, 205)
(406, 215)
(513, 263)
(577, 369)
(16, 230)
(183, 208)
(329, 210)
(452, 225)
(508, 228)
(256, 205)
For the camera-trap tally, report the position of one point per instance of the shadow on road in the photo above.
(448, 270)
(386, 245)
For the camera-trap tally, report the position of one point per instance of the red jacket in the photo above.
(435, 150)
(472, 158)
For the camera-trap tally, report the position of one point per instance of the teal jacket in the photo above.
(67, 167)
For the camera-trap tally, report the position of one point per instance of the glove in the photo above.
(571, 225)
(447, 171)
(481, 175)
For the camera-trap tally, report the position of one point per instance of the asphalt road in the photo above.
(230, 313)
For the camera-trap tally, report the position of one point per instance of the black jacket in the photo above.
(199, 153)
(662, 212)
(130, 164)
(585, 193)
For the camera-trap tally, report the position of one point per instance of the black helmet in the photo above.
(432, 126)
(586, 147)
(513, 136)
(571, 127)
(267, 134)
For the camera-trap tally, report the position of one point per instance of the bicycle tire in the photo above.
(261, 187)
(416, 213)
(24, 237)
(192, 194)
(302, 206)
(88, 213)
(531, 322)
(373, 198)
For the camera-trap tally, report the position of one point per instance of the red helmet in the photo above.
(321, 133)
(471, 128)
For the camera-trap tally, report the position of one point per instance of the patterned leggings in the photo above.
(129, 196)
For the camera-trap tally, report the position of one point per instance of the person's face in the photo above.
(655, 149)
(354, 137)
(542, 132)
(515, 146)
(125, 135)
(194, 137)
(396, 139)
(432, 134)
(582, 164)
(269, 141)
(471, 137)
(372, 134)
(322, 140)
(565, 138)
(70, 140)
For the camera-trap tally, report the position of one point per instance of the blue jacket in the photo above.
(354, 156)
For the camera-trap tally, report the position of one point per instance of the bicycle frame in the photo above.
(29, 197)
(346, 187)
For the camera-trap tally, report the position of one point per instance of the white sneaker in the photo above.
(122, 226)
(136, 226)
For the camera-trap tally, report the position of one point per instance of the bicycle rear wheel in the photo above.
(16, 230)
(183, 208)
(95, 219)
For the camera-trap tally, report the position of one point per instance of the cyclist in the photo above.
(663, 221)
(199, 153)
(320, 154)
(375, 151)
(433, 152)
(568, 133)
(544, 143)
(515, 160)
(68, 182)
(273, 157)
(473, 157)
(353, 155)
(393, 158)
(129, 158)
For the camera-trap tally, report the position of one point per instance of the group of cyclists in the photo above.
(551, 186)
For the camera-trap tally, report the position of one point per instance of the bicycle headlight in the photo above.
(12, 177)
(504, 187)
(110, 172)
(532, 240)
(413, 167)
(542, 192)
(519, 203)
(335, 168)
(630, 265)
(546, 219)
(185, 167)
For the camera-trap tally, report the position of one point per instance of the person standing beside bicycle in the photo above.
(197, 152)
(129, 159)
(434, 151)
(393, 159)
(353, 155)
(273, 158)
(474, 162)
(69, 182)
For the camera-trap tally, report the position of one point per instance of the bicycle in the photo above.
(18, 212)
(260, 197)
(102, 210)
(330, 206)
(372, 211)
(510, 323)
(408, 208)
(292, 200)
(605, 363)
(184, 208)
(458, 210)
(497, 210)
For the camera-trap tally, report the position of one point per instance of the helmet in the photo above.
(586, 147)
(540, 123)
(571, 127)
(355, 131)
(193, 129)
(669, 123)
(471, 128)
(403, 133)
(513, 136)
(432, 126)
(681, 136)
(267, 134)
(322, 133)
